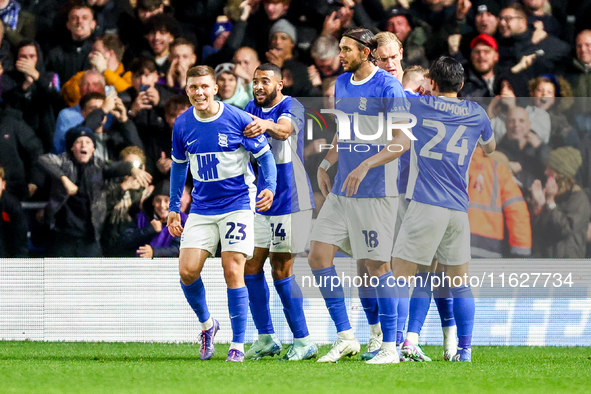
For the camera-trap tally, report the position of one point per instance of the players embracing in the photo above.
(282, 231)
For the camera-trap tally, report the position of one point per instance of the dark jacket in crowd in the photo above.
(88, 177)
(19, 150)
(532, 160)
(69, 57)
(512, 49)
(39, 104)
(474, 85)
(561, 233)
(13, 228)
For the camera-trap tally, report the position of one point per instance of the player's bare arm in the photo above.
(490, 147)
(280, 130)
(322, 176)
(175, 228)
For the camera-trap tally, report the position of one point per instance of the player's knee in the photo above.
(188, 276)
(281, 271)
(252, 267)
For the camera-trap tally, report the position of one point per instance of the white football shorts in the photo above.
(234, 229)
(429, 231)
(362, 228)
(283, 233)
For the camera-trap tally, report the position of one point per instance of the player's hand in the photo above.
(143, 177)
(255, 128)
(175, 228)
(266, 200)
(323, 182)
(70, 186)
(354, 179)
(145, 251)
(157, 224)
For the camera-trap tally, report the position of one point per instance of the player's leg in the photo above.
(422, 229)
(403, 286)
(199, 240)
(445, 307)
(237, 246)
(267, 343)
(369, 301)
(387, 298)
(330, 234)
(454, 253)
(293, 307)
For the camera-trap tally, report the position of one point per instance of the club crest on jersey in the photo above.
(223, 140)
(362, 103)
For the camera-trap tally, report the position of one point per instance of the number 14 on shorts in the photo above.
(278, 232)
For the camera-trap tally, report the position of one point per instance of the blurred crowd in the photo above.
(90, 90)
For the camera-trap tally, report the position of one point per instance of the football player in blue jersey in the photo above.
(208, 139)
(282, 231)
(359, 218)
(435, 224)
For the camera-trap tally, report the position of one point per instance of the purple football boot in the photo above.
(236, 356)
(207, 346)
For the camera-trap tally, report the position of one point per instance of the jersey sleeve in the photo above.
(178, 153)
(257, 145)
(293, 111)
(487, 134)
(395, 98)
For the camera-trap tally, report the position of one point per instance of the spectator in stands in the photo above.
(259, 24)
(132, 27)
(13, 224)
(125, 197)
(219, 35)
(325, 53)
(283, 39)
(145, 99)
(561, 209)
(413, 34)
(36, 93)
(108, 14)
(148, 235)
(296, 82)
(6, 59)
(19, 24)
(524, 148)
(554, 95)
(91, 81)
(518, 45)
(77, 205)
(107, 53)
(45, 14)
(161, 31)
(158, 147)
(230, 88)
(226, 47)
(536, 13)
(70, 57)
(496, 202)
(480, 74)
(507, 99)
(246, 61)
(123, 133)
(182, 58)
(486, 21)
(19, 150)
(577, 70)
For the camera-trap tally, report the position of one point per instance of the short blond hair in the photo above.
(385, 38)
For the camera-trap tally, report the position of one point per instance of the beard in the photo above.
(267, 101)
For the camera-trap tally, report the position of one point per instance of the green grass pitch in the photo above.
(53, 367)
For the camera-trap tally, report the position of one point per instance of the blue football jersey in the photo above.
(404, 159)
(379, 93)
(447, 132)
(219, 160)
(294, 191)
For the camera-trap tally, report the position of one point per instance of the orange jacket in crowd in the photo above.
(120, 79)
(496, 201)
